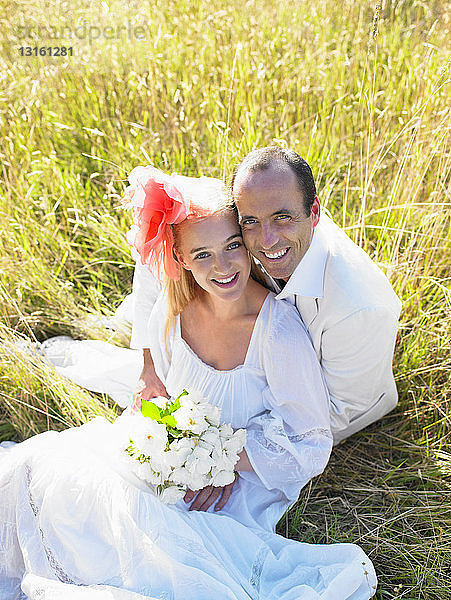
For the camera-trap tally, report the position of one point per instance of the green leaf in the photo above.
(169, 420)
(151, 410)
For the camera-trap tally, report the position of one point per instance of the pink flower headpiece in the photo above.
(157, 203)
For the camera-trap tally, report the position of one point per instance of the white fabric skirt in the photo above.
(75, 524)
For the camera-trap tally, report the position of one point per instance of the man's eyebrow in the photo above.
(235, 235)
(282, 211)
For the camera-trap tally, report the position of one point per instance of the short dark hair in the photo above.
(263, 158)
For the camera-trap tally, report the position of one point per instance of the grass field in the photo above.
(358, 89)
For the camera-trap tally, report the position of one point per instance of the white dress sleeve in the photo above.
(146, 289)
(291, 441)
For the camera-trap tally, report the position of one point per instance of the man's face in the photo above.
(276, 229)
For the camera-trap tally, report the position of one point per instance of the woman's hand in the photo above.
(244, 463)
(208, 495)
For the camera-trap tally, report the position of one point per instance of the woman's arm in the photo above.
(291, 442)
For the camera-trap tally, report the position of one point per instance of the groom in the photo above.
(344, 299)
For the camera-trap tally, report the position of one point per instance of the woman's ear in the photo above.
(178, 257)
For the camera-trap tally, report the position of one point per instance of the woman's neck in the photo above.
(221, 310)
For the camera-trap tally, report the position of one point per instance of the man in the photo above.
(344, 299)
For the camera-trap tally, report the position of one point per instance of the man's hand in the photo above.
(208, 495)
(149, 384)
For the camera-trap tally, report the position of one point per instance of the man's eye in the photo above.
(247, 222)
(234, 245)
(282, 217)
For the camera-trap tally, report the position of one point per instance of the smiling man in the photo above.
(344, 299)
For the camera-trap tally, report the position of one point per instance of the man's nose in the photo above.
(269, 237)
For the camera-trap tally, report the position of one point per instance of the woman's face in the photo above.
(213, 250)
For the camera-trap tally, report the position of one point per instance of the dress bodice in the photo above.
(237, 392)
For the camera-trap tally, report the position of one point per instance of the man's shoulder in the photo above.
(352, 280)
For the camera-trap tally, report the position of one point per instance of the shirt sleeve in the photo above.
(155, 340)
(356, 359)
(290, 442)
(146, 289)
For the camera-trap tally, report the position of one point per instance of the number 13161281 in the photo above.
(46, 51)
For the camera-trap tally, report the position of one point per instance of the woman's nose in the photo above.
(221, 264)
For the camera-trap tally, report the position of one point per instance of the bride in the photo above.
(74, 523)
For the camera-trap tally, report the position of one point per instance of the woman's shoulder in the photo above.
(282, 328)
(283, 314)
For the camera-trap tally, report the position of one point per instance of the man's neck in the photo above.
(280, 282)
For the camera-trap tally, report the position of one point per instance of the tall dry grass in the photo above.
(361, 91)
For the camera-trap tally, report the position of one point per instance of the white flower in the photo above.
(225, 431)
(161, 467)
(205, 455)
(124, 426)
(180, 476)
(178, 452)
(199, 461)
(210, 435)
(151, 437)
(194, 396)
(189, 418)
(172, 494)
(161, 401)
(236, 443)
(197, 481)
(222, 478)
(212, 414)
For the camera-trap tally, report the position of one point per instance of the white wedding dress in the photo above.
(74, 523)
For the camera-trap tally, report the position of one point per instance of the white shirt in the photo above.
(351, 313)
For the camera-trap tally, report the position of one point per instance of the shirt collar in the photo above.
(308, 277)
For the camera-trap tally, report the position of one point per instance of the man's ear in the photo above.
(178, 257)
(316, 211)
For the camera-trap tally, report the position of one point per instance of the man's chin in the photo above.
(277, 272)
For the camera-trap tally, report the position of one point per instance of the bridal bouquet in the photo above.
(178, 444)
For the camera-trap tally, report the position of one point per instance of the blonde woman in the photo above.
(73, 524)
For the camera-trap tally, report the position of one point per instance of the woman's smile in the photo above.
(226, 282)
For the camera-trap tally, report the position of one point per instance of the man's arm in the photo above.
(146, 289)
(149, 385)
(356, 359)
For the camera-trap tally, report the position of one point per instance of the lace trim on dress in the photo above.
(257, 568)
(52, 560)
(191, 546)
(279, 430)
(292, 438)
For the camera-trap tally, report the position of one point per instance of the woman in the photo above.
(73, 517)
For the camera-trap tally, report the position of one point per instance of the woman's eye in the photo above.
(201, 255)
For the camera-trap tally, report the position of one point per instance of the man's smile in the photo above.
(276, 255)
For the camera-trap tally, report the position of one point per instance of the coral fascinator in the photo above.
(159, 201)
